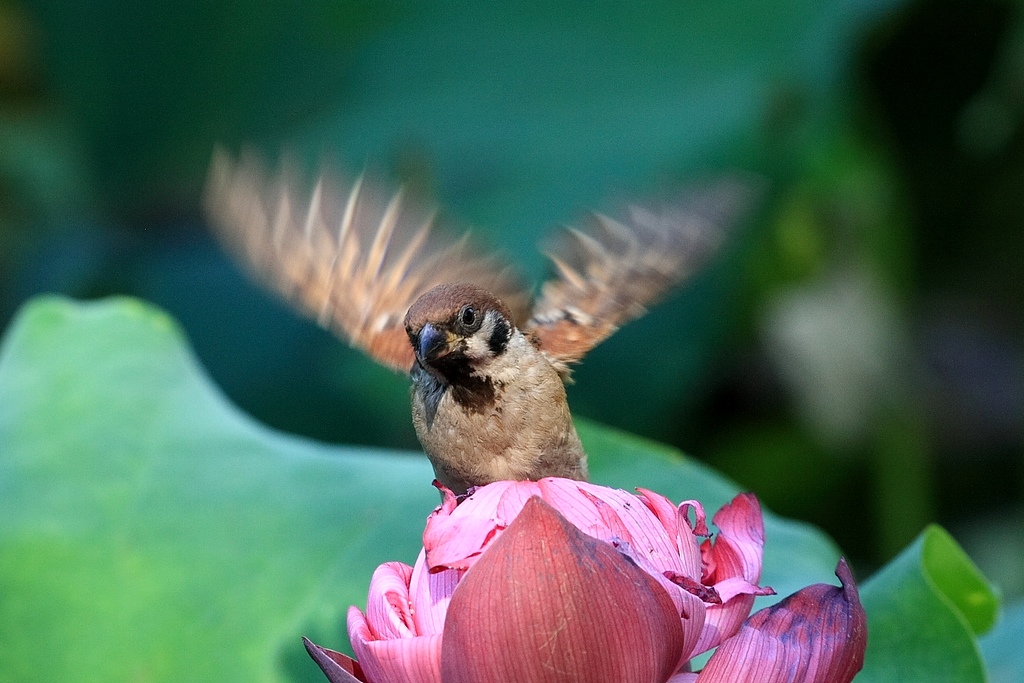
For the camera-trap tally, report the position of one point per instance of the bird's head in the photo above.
(456, 328)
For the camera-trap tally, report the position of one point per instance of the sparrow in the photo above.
(488, 369)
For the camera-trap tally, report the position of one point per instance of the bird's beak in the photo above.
(432, 343)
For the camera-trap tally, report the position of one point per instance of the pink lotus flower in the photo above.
(559, 580)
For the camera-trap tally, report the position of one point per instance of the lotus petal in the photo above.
(549, 603)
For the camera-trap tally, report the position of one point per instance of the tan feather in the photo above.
(610, 274)
(350, 256)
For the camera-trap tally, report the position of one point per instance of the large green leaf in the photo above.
(925, 611)
(150, 531)
(1001, 647)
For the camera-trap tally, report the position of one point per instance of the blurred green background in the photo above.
(854, 355)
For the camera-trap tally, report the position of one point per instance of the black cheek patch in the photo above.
(499, 336)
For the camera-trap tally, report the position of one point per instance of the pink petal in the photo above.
(699, 526)
(513, 498)
(634, 524)
(648, 528)
(692, 612)
(449, 501)
(431, 592)
(683, 678)
(400, 660)
(549, 603)
(456, 536)
(663, 509)
(687, 538)
(623, 520)
(732, 565)
(737, 549)
(730, 588)
(816, 635)
(723, 621)
(388, 607)
(337, 667)
(676, 522)
(608, 514)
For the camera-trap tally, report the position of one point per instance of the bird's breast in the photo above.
(505, 425)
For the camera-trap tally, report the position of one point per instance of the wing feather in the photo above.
(609, 274)
(350, 256)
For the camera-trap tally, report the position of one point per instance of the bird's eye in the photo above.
(467, 316)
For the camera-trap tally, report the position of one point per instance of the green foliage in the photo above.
(150, 531)
(1002, 648)
(926, 607)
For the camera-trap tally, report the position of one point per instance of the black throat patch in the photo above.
(474, 393)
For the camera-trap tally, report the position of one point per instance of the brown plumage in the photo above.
(488, 396)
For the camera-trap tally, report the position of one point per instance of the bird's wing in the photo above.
(609, 274)
(351, 256)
